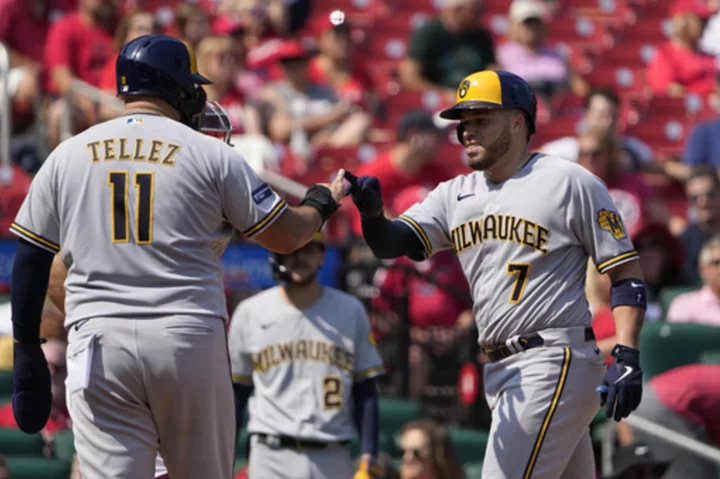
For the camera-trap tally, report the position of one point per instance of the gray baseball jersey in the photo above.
(141, 207)
(524, 244)
(302, 364)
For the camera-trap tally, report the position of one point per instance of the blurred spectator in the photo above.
(710, 41)
(703, 146)
(703, 306)
(217, 61)
(445, 49)
(597, 290)
(23, 30)
(131, 26)
(305, 114)
(436, 297)
(78, 47)
(601, 115)
(336, 67)
(384, 461)
(703, 191)
(528, 55)
(4, 471)
(13, 189)
(411, 161)
(678, 66)
(428, 452)
(601, 154)
(193, 23)
(661, 257)
(636, 461)
(685, 399)
(54, 351)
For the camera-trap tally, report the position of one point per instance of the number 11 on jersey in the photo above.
(145, 183)
(521, 271)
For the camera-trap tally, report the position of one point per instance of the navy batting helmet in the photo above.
(489, 89)
(162, 66)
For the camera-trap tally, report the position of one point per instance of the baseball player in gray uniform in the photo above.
(139, 209)
(305, 356)
(523, 226)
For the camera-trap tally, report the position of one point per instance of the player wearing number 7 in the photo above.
(306, 354)
(523, 226)
(141, 208)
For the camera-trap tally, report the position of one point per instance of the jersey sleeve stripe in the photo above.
(369, 373)
(418, 231)
(238, 378)
(617, 261)
(36, 239)
(565, 368)
(260, 225)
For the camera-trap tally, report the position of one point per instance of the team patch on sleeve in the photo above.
(611, 222)
(261, 193)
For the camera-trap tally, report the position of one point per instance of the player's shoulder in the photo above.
(343, 300)
(555, 166)
(259, 300)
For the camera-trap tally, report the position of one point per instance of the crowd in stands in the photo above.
(629, 89)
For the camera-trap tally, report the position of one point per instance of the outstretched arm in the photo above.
(391, 239)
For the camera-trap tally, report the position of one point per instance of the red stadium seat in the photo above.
(402, 102)
(556, 128)
(652, 30)
(667, 133)
(581, 31)
(617, 11)
(630, 53)
(401, 23)
(629, 81)
(689, 107)
(389, 46)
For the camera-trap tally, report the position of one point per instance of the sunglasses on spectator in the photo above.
(706, 195)
(592, 153)
(415, 452)
(713, 262)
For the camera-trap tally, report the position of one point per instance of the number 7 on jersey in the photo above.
(144, 182)
(521, 271)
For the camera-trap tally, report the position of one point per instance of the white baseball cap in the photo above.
(522, 10)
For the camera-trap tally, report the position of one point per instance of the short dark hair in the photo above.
(605, 92)
(703, 171)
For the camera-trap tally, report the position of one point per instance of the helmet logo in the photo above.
(464, 87)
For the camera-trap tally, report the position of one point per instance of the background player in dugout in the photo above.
(523, 226)
(305, 356)
(132, 394)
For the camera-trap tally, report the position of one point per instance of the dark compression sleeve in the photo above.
(391, 239)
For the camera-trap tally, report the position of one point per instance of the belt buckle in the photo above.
(272, 441)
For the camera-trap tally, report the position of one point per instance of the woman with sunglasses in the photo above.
(428, 452)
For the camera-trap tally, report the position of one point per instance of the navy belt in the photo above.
(498, 352)
(288, 442)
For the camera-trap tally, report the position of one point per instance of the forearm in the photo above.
(628, 302)
(17, 59)
(628, 324)
(242, 394)
(29, 283)
(391, 239)
(366, 415)
(299, 224)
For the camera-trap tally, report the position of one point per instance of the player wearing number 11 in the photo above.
(141, 208)
(523, 226)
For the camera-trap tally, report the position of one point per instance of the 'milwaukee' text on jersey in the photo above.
(500, 227)
(303, 350)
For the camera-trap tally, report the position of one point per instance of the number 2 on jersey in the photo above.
(521, 271)
(118, 182)
(333, 388)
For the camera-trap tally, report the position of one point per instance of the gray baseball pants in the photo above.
(139, 386)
